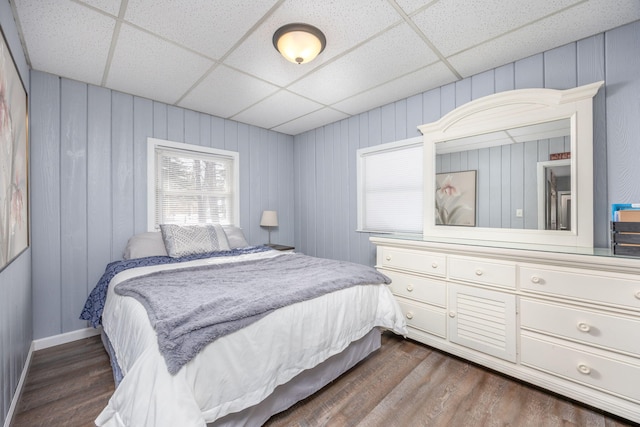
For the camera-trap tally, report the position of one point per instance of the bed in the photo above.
(256, 368)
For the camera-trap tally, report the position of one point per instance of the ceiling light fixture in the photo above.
(299, 43)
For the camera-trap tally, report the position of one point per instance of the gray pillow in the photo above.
(144, 245)
(235, 236)
(182, 240)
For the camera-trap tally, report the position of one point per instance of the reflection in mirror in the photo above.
(507, 164)
(554, 195)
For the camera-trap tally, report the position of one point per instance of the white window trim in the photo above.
(153, 143)
(360, 173)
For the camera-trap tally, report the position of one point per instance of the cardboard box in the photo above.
(629, 215)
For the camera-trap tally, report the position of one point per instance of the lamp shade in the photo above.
(269, 219)
(299, 43)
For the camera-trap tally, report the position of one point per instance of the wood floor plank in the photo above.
(404, 384)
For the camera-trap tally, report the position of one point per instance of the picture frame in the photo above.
(14, 160)
(455, 198)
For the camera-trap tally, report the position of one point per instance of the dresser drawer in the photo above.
(479, 270)
(418, 261)
(614, 332)
(579, 364)
(424, 318)
(431, 291)
(617, 290)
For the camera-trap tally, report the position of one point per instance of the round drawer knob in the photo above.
(434, 265)
(388, 258)
(535, 279)
(584, 327)
(452, 314)
(584, 369)
(410, 287)
(478, 272)
(637, 294)
(409, 314)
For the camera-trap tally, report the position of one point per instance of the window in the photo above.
(189, 184)
(390, 187)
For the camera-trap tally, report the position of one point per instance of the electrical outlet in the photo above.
(519, 213)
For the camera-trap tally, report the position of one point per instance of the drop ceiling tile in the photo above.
(411, 6)
(277, 109)
(147, 66)
(345, 25)
(65, 38)
(311, 121)
(594, 16)
(225, 92)
(210, 27)
(110, 6)
(455, 25)
(391, 55)
(429, 77)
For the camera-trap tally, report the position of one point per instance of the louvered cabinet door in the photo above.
(483, 320)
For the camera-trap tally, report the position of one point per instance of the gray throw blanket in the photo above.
(193, 307)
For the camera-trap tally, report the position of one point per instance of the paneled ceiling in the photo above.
(217, 57)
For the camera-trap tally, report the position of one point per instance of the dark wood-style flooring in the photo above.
(403, 384)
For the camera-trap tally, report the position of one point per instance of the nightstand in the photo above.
(283, 248)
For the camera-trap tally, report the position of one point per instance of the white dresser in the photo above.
(567, 322)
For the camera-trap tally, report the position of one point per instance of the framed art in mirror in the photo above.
(456, 198)
(504, 137)
(14, 199)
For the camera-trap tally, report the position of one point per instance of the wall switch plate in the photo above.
(519, 213)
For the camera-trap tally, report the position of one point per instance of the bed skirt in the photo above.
(284, 396)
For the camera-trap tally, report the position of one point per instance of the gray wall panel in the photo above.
(414, 115)
(622, 65)
(142, 127)
(560, 67)
(504, 78)
(529, 72)
(99, 217)
(483, 84)
(45, 202)
(590, 58)
(73, 201)
(175, 123)
(160, 120)
(122, 165)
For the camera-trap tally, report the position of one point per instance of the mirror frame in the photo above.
(513, 109)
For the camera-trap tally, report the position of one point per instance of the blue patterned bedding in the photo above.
(94, 305)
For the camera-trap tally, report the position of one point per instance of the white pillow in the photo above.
(235, 236)
(185, 240)
(144, 245)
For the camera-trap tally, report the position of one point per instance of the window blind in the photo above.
(392, 188)
(193, 187)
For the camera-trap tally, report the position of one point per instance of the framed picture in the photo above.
(456, 198)
(14, 197)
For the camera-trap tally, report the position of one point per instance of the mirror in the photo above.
(506, 164)
(514, 167)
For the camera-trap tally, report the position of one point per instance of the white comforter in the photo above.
(236, 371)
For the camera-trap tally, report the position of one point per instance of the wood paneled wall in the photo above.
(325, 204)
(15, 279)
(89, 186)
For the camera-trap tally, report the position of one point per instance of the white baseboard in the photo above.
(67, 337)
(40, 344)
(16, 394)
